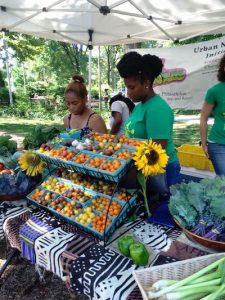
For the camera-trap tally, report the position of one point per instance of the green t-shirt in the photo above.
(153, 120)
(216, 96)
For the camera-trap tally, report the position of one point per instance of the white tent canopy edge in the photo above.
(112, 21)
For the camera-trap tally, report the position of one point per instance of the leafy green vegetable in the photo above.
(200, 207)
(180, 206)
(42, 134)
(207, 281)
(7, 146)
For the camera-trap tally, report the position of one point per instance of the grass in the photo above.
(184, 133)
(21, 127)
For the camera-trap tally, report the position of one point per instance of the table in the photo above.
(97, 271)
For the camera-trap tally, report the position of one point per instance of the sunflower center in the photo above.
(152, 157)
(33, 160)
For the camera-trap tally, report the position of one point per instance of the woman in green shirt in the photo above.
(152, 118)
(214, 104)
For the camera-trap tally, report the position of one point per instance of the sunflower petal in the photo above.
(31, 163)
(148, 164)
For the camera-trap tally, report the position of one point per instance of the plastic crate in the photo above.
(133, 196)
(116, 221)
(127, 207)
(66, 135)
(92, 194)
(194, 156)
(128, 149)
(177, 270)
(45, 191)
(68, 200)
(131, 143)
(118, 173)
(59, 180)
(58, 161)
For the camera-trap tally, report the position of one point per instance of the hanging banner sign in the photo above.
(189, 71)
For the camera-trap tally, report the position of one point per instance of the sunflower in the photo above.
(31, 163)
(150, 158)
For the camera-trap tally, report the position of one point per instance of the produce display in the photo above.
(101, 222)
(93, 211)
(124, 244)
(99, 186)
(43, 197)
(109, 138)
(99, 155)
(41, 134)
(65, 207)
(86, 216)
(200, 207)
(208, 284)
(77, 194)
(60, 152)
(83, 188)
(55, 185)
(89, 182)
(124, 154)
(135, 250)
(95, 162)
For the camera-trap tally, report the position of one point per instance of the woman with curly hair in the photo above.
(214, 105)
(152, 118)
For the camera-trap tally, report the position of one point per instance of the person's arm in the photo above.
(205, 113)
(117, 121)
(96, 123)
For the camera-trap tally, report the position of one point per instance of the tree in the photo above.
(112, 55)
(24, 46)
(63, 60)
(2, 81)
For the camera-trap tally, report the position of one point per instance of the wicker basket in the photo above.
(215, 245)
(177, 270)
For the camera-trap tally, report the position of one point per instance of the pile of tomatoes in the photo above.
(4, 170)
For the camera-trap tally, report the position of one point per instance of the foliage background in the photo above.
(41, 69)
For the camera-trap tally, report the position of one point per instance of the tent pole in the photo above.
(99, 80)
(89, 79)
(5, 47)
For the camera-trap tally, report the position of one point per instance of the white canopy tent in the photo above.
(105, 22)
(101, 22)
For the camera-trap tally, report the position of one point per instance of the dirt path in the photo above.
(21, 281)
(16, 137)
